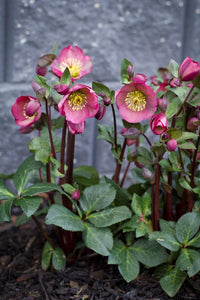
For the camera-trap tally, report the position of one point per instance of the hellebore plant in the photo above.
(154, 221)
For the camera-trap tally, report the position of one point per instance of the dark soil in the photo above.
(21, 276)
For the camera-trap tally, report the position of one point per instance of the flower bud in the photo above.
(175, 82)
(76, 128)
(171, 145)
(159, 124)
(25, 129)
(75, 195)
(38, 89)
(101, 111)
(42, 71)
(130, 71)
(61, 89)
(154, 80)
(189, 69)
(192, 124)
(139, 78)
(162, 104)
(106, 101)
(139, 165)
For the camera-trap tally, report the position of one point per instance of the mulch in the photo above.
(21, 276)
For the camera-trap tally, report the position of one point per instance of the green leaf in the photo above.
(100, 88)
(185, 184)
(142, 229)
(85, 175)
(195, 242)
(118, 253)
(98, 239)
(186, 145)
(175, 133)
(4, 192)
(66, 77)
(187, 226)
(25, 173)
(146, 204)
(180, 91)
(110, 216)
(144, 156)
(167, 240)
(41, 188)
(46, 256)
(165, 164)
(189, 260)
(125, 77)
(28, 204)
(173, 67)
(97, 197)
(136, 204)
(58, 259)
(187, 136)
(173, 108)
(172, 282)
(129, 268)
(64, 218)
(168, 226)
(5, 209)
(194, 101)
(106, 133)
(149, 253)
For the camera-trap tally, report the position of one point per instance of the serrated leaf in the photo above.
(64, 218)
(85, 175)
(41, 188)
(149, 253)
(110, 216)
(195, 242)
(189, 260)
(118, 252)
(25, 172)
(97, 197)
(58, 259)
(167, 240)
(46, 256)
(172, 282)
(28, 204)
(100, 88)
(187, 226)
(5, 210)
(4, 192)
(98, 239)
(129, 268)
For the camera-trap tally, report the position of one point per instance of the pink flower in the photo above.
(101, 111)
(139, 78)
(78, 63)
(159, 124)
(171, 145)
(78, 104)
(61, 89)
(41, 70)
(75, 195)
(189, 69)
(136, 102)
(76, 128)
(26, 111)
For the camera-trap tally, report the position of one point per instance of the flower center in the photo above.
(25, 114)
(135, 101)
(74, 66)
(77, 100)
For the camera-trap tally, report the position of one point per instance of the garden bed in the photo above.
(21, 276)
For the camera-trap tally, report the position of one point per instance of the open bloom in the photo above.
(159, 123)
(26, 111)
(78, 63)
(136, 102)
(78, 104)
(189, 69)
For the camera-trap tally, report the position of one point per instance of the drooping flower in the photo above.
(76, 128)
(171, 145)
(136, 102)
(26, 111)
(78, 63)
(189, 69)
(101, 111)
(78, 104)
(159, 123)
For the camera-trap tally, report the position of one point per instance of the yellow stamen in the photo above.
(25, 115)
(74, 66)
(135, 101)
(77, 100)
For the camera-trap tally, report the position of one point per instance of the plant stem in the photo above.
(148, 141)
(62, 153)
(155, 200)
(114, 126)
(125, 174)
(43, 232)
(169, 198)
(119, 163)
(48, 113)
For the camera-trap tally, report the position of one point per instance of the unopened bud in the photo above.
(162, 104)
(26, 129)
(171, 145)
(192, 124)
(130, 71)
(42, 71)
(75, 195)
(106, 101)
(101, 111)
(175, 82)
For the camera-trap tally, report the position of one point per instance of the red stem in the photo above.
(48, 113)
(125, 174)
(155, 200)
(119, 164)
(169, 198)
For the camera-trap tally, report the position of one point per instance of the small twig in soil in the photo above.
(43, 287)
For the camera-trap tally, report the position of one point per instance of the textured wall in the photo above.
(148, 33)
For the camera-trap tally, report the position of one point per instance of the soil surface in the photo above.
(21, 276)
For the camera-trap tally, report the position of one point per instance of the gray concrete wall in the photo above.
(146, 32)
